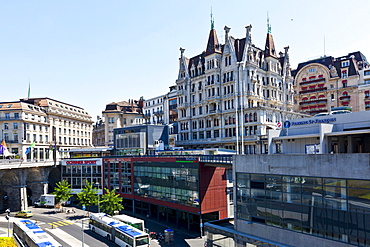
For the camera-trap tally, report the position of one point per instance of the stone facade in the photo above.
(45, 123)
(230, 95)
(122, 114)
(327, 82)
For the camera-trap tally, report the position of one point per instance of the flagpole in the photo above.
(2, 139)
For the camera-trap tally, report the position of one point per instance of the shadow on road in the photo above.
(102, 239)
(51, 212)
(75, 217)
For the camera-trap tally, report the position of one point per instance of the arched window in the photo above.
(345, 93)
(246, 118)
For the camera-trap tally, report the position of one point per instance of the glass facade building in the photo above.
(77, 171)
(167, 181)
(332, 208)
(117, 175)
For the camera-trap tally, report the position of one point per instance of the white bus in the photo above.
(32, 235)
(132, 221)
(122, 234)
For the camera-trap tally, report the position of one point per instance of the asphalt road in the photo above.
(62, 233)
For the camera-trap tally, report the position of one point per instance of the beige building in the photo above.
(46, 124)
(328, 82)
(121, 114)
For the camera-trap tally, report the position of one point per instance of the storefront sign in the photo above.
(82, 162)
(288, 124)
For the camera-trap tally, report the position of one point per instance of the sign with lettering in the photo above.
(288, 124)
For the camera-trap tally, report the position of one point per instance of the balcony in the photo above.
(211, 112)
(313, 90)
(313, 102)
(11, 141)
(8, 118)
(312, 81)
(158, 113)
(147, 115)
(346, 97)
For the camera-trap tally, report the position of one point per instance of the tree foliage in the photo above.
(88, 196)
(111, 202)
(62, 191)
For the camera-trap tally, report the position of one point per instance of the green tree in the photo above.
(62, 191)
(88, 196)
(111, 202)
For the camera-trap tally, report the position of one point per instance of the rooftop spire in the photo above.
(212, 21)
(269, 46)
(268, 23)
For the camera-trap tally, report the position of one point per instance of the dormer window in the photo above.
(345, 63)
(344, 74)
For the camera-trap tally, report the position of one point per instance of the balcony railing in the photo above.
(214, 111)
(11, 141)
(345, 97)
(8, 118)
(312, 81)
(313, 90)
(158, 112)
(313, 102)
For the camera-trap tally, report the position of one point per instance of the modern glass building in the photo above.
(168, 181)
(303, 200)
(179, 190)
(333, 208)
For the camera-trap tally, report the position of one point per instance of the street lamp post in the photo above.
(83, 232)
(97, 183)
(8, 218)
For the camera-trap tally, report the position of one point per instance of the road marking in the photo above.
(72, 241)
(61, 223)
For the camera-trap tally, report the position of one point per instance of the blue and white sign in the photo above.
(288, 124)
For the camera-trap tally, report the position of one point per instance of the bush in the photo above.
(7, 242)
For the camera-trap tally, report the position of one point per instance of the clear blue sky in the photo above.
(89, 53)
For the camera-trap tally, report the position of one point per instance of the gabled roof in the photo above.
(196, 61)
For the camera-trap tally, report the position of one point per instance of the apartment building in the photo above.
(45, 123)
(327, 82)
(162, 110)
(122, 114)
(231, 94)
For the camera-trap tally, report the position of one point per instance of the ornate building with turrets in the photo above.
(231, 94)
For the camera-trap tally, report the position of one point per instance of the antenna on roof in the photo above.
(29, 88)
(212, 21)
(324, 47)
(268, 23)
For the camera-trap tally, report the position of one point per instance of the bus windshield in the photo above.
(142, 241)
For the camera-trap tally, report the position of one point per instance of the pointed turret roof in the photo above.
(213, 45)
(270, 46)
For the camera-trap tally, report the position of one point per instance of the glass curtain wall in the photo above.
(337, 209)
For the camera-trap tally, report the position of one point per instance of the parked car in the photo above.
(24, 214)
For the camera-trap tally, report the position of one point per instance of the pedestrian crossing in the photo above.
(60, 223)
